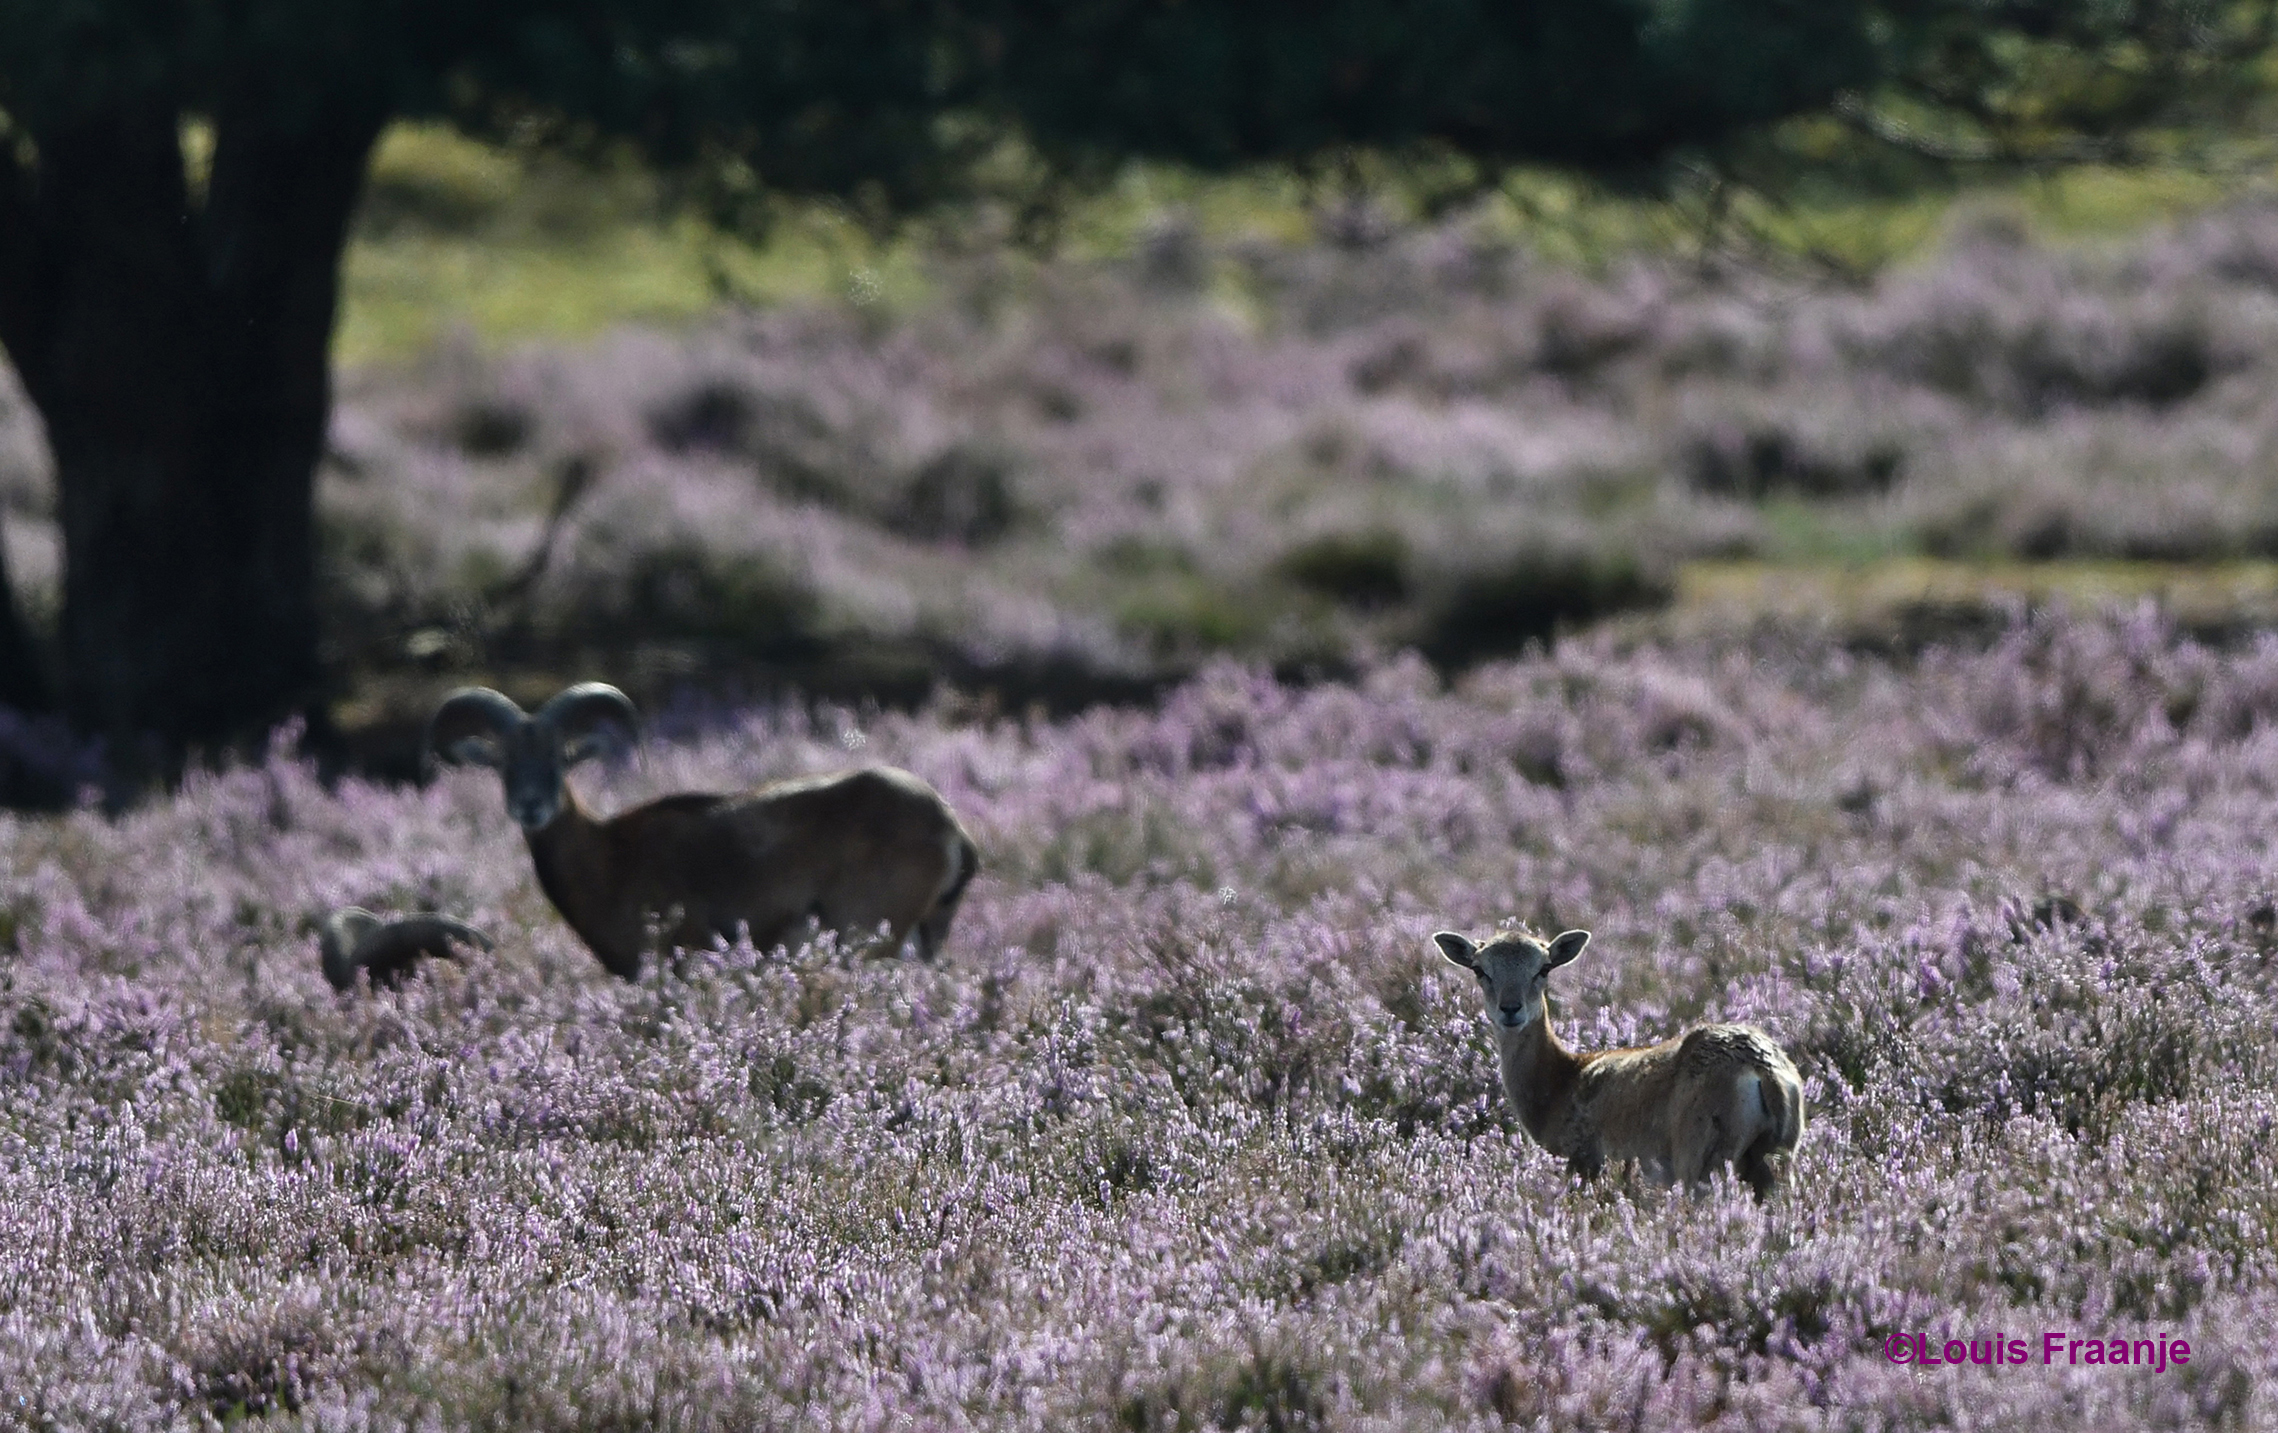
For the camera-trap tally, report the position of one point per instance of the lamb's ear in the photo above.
(1459, 949)
(1566, 947)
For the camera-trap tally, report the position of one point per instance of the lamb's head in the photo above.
(534, 751)
(1513, 970)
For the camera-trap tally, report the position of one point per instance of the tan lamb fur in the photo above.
(1716, 1095)
(857, 852)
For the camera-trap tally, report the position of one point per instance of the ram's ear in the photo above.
(601, 741)
(1566, 947)
(1459, 949)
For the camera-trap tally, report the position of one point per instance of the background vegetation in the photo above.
(580, 429)
(513, 246)
(1297, 426)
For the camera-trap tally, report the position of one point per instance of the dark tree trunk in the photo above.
(23, 684)
(178, 352)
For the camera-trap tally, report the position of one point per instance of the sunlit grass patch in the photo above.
(1861, 594)
(405, 293)
(512, 248)
(519, 247)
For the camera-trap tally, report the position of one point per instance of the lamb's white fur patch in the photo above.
(1749, 1081)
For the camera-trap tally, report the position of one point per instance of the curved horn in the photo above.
(575, 714)
(392, 949)
(429, 930)
(353, 939)
(469, 724)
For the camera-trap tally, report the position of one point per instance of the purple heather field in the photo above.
(1190, 1127)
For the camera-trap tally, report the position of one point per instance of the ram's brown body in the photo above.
(862, 853)
(853, 852)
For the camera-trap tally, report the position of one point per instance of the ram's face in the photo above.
(1513, 971)
(529, 759)
(532, 773)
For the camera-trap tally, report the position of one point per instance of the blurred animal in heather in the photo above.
(1716, 1095)
(856, 852)
(352, 940)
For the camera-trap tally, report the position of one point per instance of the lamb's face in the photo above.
(1513, 971)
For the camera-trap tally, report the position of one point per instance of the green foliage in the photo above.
(610, 120)
(1520, 598)
(1177, 618)
(2031, 81)
(1592, 84)
(1365, 569)
(892, 103)
(836, 99)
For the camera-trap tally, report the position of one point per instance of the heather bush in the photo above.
(1189, 1126)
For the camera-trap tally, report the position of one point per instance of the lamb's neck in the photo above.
(1540, 1074)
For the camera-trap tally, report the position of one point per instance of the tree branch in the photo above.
(1854, 111)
